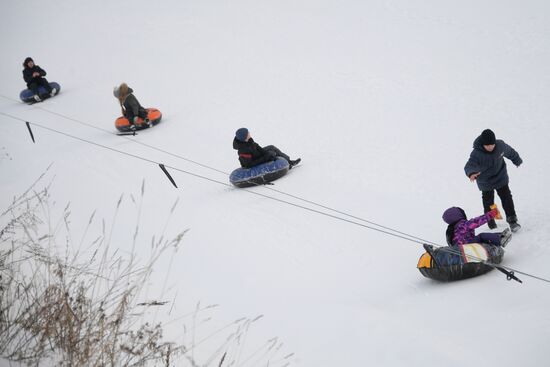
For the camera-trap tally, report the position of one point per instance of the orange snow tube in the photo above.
(154, 115)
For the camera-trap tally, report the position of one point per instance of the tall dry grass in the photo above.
(79, 303)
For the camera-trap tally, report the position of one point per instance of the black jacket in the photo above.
(27, 73)
(132, 106)
(491, 164)
(251, 154)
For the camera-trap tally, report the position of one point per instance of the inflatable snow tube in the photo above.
(27, 95)
(154, 115)
(458, 262)
(260, 174)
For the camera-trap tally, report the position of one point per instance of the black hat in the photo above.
(487, 137)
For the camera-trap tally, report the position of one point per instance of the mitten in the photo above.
(494, 213)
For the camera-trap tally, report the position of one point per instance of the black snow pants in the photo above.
(37, 82)
(505, 195)
(277, 152)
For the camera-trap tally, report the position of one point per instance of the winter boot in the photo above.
(513, 222)
(294, 163)
(515, 227)
(492, 224)
(505, 237)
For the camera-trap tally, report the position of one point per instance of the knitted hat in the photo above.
(241, 134)
(453, 215)
(487, 137)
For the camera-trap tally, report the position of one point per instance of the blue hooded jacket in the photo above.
(491, 164)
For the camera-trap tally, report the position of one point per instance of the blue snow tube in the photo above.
(27, 95)
(260, 174)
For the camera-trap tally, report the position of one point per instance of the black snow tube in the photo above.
(459, 262)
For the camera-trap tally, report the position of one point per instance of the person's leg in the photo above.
(490, 238)
(291, 163)
(130, 117)
(143, 113)
(33, 87)
(507, 203)
(277, 151)
(488, 198)
(44, 83)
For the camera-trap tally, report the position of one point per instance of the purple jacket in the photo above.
(465, 229)
(461, 230)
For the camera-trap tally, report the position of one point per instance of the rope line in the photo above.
(419, 240)
(227, 174)
(384, 230)
(122, 136)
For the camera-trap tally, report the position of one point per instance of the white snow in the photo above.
(382, 101)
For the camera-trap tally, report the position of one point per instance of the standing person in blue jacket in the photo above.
(34, 77)
(486, 166)
(251, 154)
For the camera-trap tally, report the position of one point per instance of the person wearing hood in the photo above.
(461, 230)
(34, 77)
(131, 109)
(487, 167)
(251, 154)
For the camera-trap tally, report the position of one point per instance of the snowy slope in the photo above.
(382, 101)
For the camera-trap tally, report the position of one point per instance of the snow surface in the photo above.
(381, 100)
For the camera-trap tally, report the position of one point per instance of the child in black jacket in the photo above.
(251, 154)
(34, 77)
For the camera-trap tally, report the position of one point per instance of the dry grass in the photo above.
(74, 309)
(79, 304)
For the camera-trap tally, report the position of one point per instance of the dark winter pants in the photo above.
(490, 238)
(37, 82)
(272, 148)
(506, 199)
(130, 115)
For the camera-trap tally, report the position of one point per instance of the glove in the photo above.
(494, 213)
(473, 176)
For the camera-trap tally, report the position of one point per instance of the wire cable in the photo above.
(393, 233)
(227, 174)
(122, 136)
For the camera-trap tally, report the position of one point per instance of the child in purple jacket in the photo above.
(462, 231)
